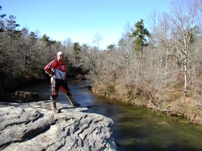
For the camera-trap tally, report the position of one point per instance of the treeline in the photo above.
(162, 61)
(23, 54)
(164, 58)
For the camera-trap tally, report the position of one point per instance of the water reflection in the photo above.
(135, 128)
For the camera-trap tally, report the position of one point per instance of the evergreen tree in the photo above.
(2, 26)
(11, 27)
(140, 33)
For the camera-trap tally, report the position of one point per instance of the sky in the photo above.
(81, 20)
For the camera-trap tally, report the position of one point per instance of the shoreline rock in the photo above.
(34, 126)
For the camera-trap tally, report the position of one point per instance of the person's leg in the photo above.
(71, 100)
(64, 87)
(54, 93)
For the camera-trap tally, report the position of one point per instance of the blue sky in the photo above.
(81, 20)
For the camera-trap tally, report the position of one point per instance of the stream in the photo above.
(135, 128)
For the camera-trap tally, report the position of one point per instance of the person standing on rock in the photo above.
(56, 69)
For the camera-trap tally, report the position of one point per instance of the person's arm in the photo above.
(50, 66)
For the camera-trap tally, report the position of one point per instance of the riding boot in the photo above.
(72, 101)
(53, 105)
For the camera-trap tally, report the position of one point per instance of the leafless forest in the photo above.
(161, 61)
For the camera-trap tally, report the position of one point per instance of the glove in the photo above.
(51, 74)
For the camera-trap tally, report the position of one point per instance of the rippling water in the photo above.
(135, 128)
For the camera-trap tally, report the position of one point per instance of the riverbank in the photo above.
(170, 103)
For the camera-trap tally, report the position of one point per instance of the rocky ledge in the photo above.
(34, 126)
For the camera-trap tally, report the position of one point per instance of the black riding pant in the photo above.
(57, 84)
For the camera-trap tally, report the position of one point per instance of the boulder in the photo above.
(34, 126)
(22, 96)
(80, 77)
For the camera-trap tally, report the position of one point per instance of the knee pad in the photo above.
(54, 97)
(68, 94)
(54, 92)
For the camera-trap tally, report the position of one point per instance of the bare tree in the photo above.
(174, 32)
(97, 40)
(182, 19)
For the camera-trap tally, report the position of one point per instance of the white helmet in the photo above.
(60, 53)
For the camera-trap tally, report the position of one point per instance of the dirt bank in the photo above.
(170, 103)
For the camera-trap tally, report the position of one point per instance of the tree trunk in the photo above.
(185, 77)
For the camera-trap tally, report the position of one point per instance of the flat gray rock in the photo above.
(34, 126)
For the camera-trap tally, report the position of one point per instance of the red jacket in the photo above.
(56, 69)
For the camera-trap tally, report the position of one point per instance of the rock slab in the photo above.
(34, 126)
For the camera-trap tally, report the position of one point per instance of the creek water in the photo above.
(135, 128)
